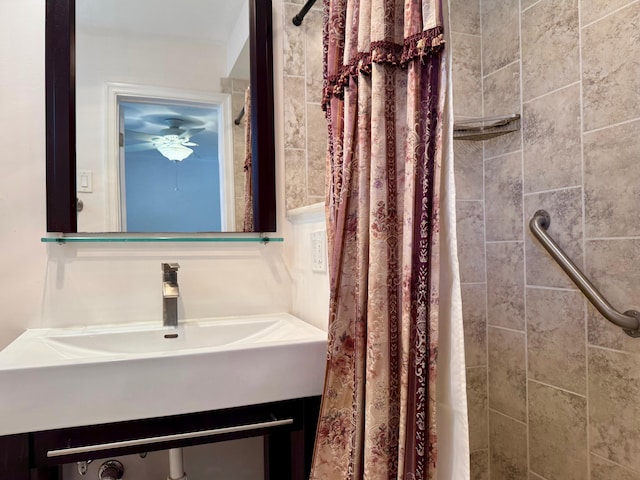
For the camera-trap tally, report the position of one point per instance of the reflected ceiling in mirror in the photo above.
(157, 91)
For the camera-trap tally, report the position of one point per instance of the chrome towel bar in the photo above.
(629, 321)
(165, 438)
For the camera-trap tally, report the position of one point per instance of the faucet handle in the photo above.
(170, 267)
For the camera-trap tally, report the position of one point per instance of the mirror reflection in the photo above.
(163, 140)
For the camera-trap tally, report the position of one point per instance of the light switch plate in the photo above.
(84, 182)
(319, 251)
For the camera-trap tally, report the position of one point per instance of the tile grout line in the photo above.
(476, 367)
(501, 68)
(584, 250)
(609, 239)
(484, 232)
(503, 155)
(553, 289)
(306, 116)
(506, 329)
(628, 469)
(531, 6)
(551, 92)
(464, 33)
(607, 15)
(613, 350)
(504, 241)
(552, 190)
(548, 385)
(507, 416)
(524, 250)
(613, 125)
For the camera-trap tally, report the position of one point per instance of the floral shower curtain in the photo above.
(248, 174)
(384, 105)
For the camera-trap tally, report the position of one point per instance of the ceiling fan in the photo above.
(173, 142)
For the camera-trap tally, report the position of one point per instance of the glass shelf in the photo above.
(141, 239)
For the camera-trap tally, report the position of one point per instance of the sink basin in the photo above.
(159, 340)
(66, 377)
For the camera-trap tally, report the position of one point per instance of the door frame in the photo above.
(118, 92)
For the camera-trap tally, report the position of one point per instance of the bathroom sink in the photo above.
(162, 340)
(64, 377)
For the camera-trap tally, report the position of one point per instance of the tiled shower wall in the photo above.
(237, 88)
(305, 128)
(563, 385)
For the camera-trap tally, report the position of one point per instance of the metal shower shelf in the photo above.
(479, 129)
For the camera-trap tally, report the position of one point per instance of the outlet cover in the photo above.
(319, 251)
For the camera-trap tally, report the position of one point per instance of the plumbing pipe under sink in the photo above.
(176, 465)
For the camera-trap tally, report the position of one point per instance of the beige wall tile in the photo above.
(505, 285)
(602, 469)
(612, 266)
(468, 170)
(611, 83)
(507, 376)
(614, 411)
(470, 227)
(557, 433)
(239, 85)
(313, 56)
(592, 10)
(612, 189)
(294, 113)
(465, 16)
(479, 465)
(508, 451)
(555, 338)
(316, 149)
(565, 209)
(502, 97)
(503, 197)
(293, 47)
(477, 404)
(500, 33)
(474, 315)
(295, 178)
(467, 75)
(552, 141)
(550, 47)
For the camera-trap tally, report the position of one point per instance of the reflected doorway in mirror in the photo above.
(172, 168)
(170, 161)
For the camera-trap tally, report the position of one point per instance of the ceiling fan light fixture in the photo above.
(175, 152)
(174, 147)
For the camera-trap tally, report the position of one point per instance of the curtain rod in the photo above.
(297, 20)
(239, 117)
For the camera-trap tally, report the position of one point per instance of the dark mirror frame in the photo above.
(61, 116)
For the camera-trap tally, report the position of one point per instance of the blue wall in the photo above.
(154, 204)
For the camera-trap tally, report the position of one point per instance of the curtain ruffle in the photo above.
(382, 52)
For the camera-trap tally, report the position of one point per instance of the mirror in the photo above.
(159, 119)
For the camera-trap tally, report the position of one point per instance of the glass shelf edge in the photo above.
(62, 240)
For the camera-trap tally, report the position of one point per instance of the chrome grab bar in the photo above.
(629, 321)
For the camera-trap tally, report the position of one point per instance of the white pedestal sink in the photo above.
(57, 378)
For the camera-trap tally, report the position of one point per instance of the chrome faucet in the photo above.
(170, 294)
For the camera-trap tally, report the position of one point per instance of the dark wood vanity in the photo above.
(288, 428)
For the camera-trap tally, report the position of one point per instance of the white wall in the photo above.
(105, 57)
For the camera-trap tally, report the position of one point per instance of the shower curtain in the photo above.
(384, 398)
(248, 174)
